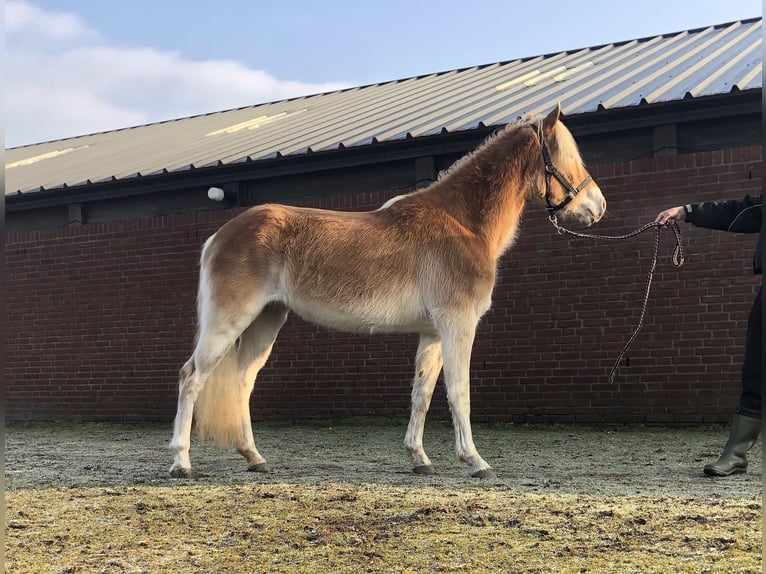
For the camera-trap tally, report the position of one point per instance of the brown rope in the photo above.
(677, 259)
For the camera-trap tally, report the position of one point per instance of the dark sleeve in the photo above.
(737, 215)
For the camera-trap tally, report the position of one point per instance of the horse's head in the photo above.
(569, 191)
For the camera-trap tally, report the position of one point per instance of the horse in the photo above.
(423, 263)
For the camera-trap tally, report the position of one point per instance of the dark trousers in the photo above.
(750, 402)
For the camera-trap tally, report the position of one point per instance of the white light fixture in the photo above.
(215, 193)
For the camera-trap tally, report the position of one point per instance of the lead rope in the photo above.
(677, 259)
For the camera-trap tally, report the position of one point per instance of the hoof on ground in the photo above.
(484, 473)
(425, 469)
(183, 473)
(260, 467)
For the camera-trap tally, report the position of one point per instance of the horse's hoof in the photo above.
(179, 472)
(484, 473)
(260, 467)
(425, 469)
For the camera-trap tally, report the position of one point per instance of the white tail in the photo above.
(218, 412)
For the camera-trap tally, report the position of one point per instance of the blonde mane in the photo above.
(566, 149)
(490, 141)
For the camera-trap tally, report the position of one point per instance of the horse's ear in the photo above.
(551, 119)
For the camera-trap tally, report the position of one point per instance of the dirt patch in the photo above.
(318, 528)
(630, 460)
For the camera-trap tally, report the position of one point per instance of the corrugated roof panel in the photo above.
(588, 93)
(701, 62)
(361, 119)
(727, 69)
(406, 108)
(646, 72)
(496, 108)
(478, 98)
(674, 78)
(332, 115)
(752, 80)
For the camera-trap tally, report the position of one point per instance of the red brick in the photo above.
(100, 318)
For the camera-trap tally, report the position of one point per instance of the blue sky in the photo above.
(80, 66)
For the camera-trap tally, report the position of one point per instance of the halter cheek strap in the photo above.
(552, 171)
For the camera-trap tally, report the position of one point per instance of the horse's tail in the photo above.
(219, 412)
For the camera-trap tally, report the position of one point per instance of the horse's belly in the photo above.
(363, 318)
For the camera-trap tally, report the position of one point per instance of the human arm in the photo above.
(737, 215)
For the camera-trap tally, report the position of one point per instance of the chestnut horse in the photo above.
(424, 262)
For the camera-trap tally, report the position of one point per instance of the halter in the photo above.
(552, 171)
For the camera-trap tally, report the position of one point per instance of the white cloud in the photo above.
(63, 79)
(33, 26)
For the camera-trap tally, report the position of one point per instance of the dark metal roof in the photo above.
(690, 64)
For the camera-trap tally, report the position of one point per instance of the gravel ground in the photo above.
(601, 461)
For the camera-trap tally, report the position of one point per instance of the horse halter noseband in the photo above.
(552, 171)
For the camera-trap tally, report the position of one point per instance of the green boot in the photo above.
(742, 436)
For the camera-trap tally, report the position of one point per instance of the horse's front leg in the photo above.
(428, 364)
(457, 342)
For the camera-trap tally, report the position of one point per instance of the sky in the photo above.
(82, 66)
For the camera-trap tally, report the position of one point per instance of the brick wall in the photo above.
(100, 318)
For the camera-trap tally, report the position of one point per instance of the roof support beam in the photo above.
(665, 139)
(425, 171)
(76, 215)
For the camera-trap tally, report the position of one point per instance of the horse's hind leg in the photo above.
(216, 338)
(255, 346)
(188, 390)
(428, 364)
(192, 378)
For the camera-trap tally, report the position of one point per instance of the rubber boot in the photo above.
(742, 436)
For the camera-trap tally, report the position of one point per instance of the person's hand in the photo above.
(668, 216)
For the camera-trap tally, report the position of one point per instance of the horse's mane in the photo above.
(565, 143)
(567, 146)
(521, 122)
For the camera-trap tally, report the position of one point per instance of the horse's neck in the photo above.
(487, 192)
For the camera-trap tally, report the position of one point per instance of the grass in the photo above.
(351, 528)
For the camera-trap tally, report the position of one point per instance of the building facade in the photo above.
(102, 269)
